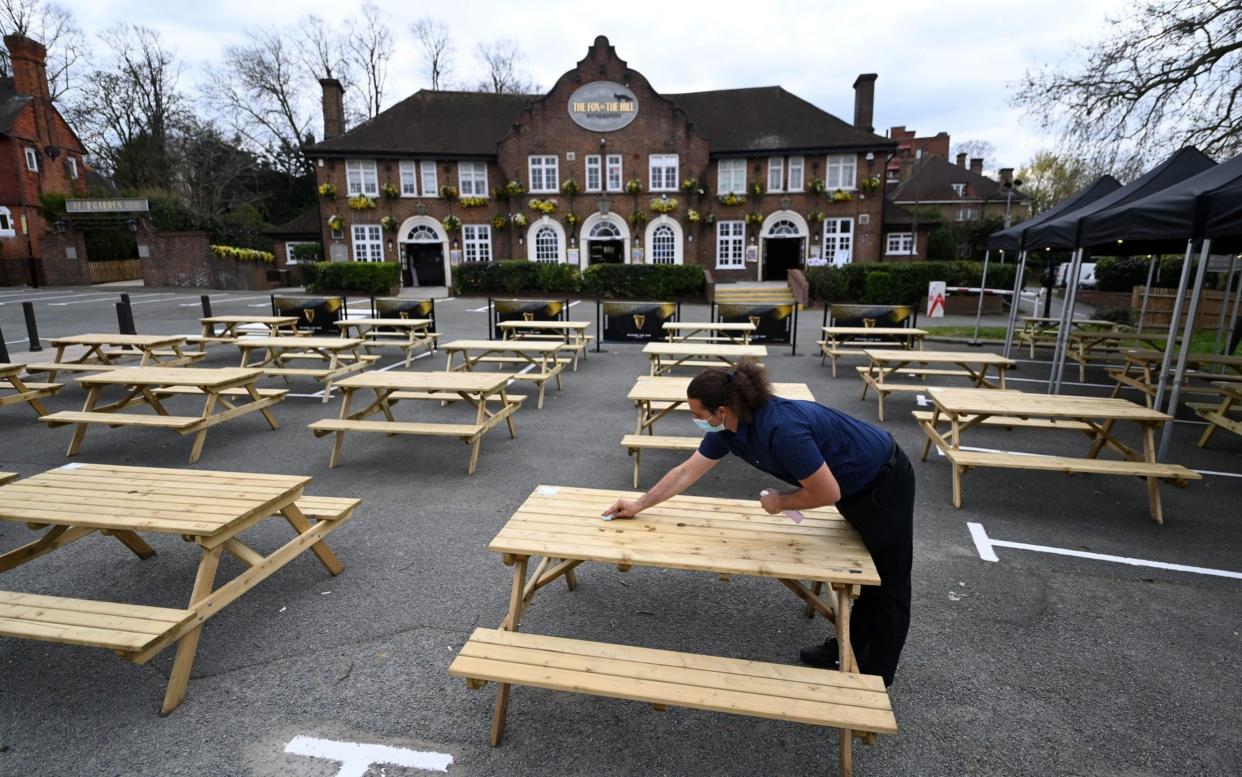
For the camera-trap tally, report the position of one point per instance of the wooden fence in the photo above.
(109, 272)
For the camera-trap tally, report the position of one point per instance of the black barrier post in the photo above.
(32, 328)
(273, 298)
(4, 351)
(491, 325)
(599, 324)
(433, 319)
(374, 314)
(211, 328)
(678, 311)
(124, 299)
(125, 320)
(825, 322)
(793, 351)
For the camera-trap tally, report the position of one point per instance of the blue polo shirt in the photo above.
(791, 438)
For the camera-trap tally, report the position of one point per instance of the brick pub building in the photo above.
(747, 183)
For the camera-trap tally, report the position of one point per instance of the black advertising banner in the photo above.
(871, 315)
(317, 313)
(773, 323)
(404, 307)
(636, 322)
(526, 310)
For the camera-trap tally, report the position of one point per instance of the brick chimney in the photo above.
(961, 160)
(864, 101)
(976, 165)
(29, 59)
(333, 108)
(1005, 174)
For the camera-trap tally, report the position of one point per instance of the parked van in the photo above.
(1086, 275)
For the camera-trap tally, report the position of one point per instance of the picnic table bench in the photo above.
(231, 328)
(478, 389)
(666, 357)
(723, 537)
(148, 386)
(209, 509)
(1041, 330)
(407, 335)
(22, 390)
(1142, 372)
(571, 333)
(539, 356)
(736, 332)
(885, 363)
(1219, 416)
(109, 351)
(1093, 416)
(845, 341)
(339, 355)
(1083, 345)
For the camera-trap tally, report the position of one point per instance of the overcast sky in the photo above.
(949, 66)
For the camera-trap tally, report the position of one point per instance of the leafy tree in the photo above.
(1049, 178)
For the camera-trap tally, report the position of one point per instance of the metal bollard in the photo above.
(125, 319)
(211, 328)
(32, 328)
(4, 351)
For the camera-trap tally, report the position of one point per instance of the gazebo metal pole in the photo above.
(1151, 274)
(983, 282)
(1233, 317)
(1224, 305)
(1183, 355)
(1167, 361)
(1066, 323)
(1015, 302)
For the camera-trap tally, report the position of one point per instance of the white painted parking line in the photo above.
(220, 300)
(480, 310)
(985, 546)
(575, 302)
(357, 759)
(118, 299)
(57, 296)
(150, 301)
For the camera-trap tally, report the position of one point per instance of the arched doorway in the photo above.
(606, 239)
(545, 241)
(784, 245)
(424, 253)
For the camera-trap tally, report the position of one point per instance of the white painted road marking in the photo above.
(480, 310)
(356, 759)
(985, 544)
(118, 299)
(58, 296)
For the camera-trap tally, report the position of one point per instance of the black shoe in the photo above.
(825, 656)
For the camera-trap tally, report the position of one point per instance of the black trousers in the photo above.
(883, 515)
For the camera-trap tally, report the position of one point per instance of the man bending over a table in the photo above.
(832, 459)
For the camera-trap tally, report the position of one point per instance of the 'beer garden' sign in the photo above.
(602, 106)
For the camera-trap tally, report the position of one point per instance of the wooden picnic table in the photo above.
(1084, 345)
(724, 537)
(836, 340)
(1095, 417)
(736, 332)
(209, 509)
(1219, 416)
(1142, 371)
(572, 333)
(666, 357)
(150, 386)
(231, 328)
(340, 356)
(405, 334)
(541, 358)
(24, 391)
(476, 388)
(885, 363)
(1042, 330)
(109, 351)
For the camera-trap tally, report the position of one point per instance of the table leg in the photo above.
(201, 436)
(135, 543)
(504, 401)
(187, 646)
(1222, 412)
(510, 624)
(92, 396)
(20, 387)
(957, 470)
(298, 520)
(1153, 484)
(254, 395)
(347, 396)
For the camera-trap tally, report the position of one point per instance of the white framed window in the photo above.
(730, 245)
(431, 181)
(72, 165)
(409, 179)
(544, 176)
(368, 243)
(32, 159)
(472, 179)
(613, 170)
(959, 189)
(594, 173)
(899, 244)
(290, 255)
(476, 242)
(6, 223)
(361, 178)
(547, 245)
(662, 172)
(776, 174)
(966, 214)
(842, 172)
(731, 176)
(663, 245)
(839, 241)
(797, 173)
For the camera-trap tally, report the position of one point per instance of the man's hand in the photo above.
(624, 508)
(771, 500)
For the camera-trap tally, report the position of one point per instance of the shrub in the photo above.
(1120, 273)
(370, 278)
(906, 283)
(643, 281)
(604, 280)
(558, 277)
(243, 254)
(879, 288)
(1116, 315)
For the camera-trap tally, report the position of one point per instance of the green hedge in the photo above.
(620, 281)
(1123, 273)
(370, 278)
(900, 283)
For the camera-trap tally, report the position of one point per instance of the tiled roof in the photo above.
(305, 223)
(933, 178)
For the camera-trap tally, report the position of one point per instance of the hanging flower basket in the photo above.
(390, 190)
(756, 189)
(693, 216)
(754, 217)
(638, 218)
(336, 223)
(327, 190)
(472, 202)
(519, 220)
(815, 217)
(361, 202)
(571, 219)
(448, 192)
(731, 199)
(816, 185)
(633, 186)
(500, 221)
(664, 205)
(689, 185)
(514, 189)
(570, 187)
(840, 195)
(710, 218)
(451, 223)
(546, 207)
(389, 224)
(869, 185)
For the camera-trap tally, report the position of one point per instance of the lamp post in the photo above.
(1009, 187)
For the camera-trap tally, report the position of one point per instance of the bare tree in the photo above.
(1168, 73)
(369, 50)
(324, 53)
(53, 26)
(214, 174)
(437, 50)
(260, 91)
(977, 149)
(500, 60)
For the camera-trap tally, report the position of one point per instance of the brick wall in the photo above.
(64, 260)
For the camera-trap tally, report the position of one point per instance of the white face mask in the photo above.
(706, 427)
